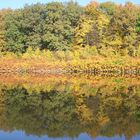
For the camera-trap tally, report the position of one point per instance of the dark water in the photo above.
(70, 111)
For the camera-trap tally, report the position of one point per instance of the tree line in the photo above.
(105, 28)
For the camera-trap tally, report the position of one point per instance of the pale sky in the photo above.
(20, 3)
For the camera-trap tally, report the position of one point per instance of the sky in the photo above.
(20, 3)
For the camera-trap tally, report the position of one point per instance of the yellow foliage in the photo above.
(69, 55)
(138, 51)
(83, 28)
(60, 55)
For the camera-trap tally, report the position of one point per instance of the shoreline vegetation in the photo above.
(99, 38)
(96, 65)
(99, 67)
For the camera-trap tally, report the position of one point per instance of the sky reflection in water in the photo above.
(16, 135)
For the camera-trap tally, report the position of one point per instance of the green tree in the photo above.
(108, 7)
(138, 24)
(47, 26)
(3, 14)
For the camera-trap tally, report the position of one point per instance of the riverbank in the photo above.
(95, 65)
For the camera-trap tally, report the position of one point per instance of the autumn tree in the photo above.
(121, 30)
(90, 31)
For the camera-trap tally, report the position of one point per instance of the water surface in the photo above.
(70, 109)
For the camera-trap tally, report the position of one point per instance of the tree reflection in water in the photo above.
(62, 110)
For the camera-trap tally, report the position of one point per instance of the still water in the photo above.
(70, 109)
